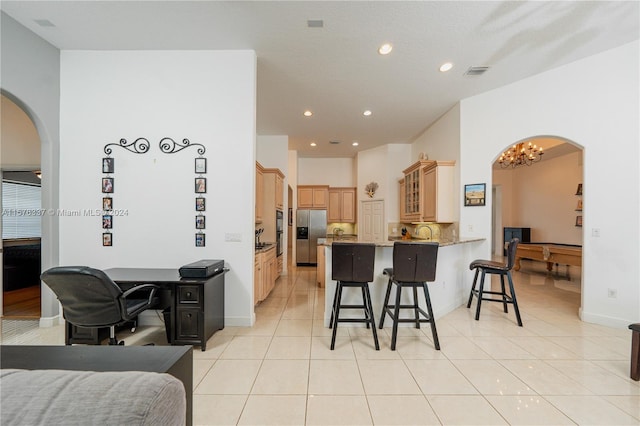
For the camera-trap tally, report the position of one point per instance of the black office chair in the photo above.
(352, 266)
(91, 299)
(414, 264)
(496, 268)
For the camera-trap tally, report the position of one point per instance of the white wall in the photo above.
(542, 197)
(30, 70)
(19, 142)
(593, 102)
(205, 96)
(313, 171)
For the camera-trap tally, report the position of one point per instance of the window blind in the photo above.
(21, 210)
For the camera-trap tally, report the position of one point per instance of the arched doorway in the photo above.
(21, 223)
(540, 204)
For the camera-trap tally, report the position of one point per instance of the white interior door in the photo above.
(372, 221)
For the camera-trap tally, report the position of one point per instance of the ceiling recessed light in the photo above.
(355, 143)
(446, 67)
(313, 144)
(307, 113)
(366, 113)
(385, 49)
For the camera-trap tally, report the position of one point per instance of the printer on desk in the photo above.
(202, 268)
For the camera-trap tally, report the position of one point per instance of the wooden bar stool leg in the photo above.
(385, 304)
(635, 356)
(514, 300)
(365, 308)
(480, 289)
(396, 317)
(434, 332)
(415, 306)
(473, 287)
(504, 294)
(337, 315)
(367, 302)
(333, 310)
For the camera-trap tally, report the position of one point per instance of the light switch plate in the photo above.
(233, 237)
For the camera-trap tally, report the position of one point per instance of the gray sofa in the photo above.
(63, 397)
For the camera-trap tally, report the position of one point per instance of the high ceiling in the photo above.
(335, 70)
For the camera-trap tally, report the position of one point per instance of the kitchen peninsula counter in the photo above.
(448, 291)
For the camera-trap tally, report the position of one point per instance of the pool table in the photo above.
(551, 253)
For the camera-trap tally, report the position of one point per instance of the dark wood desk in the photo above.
(177, 361)
(196, 305)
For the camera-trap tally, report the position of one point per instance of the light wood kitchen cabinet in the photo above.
(313, 196)
(426, 192)
(320, 268)
(257, 277)
(279, 191)
(259, 192)
(265, 274)
(342, 205)
(272, 201)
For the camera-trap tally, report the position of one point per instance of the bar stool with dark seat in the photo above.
(352, 266)
(414, 264)
(635, 351)
(496, 268)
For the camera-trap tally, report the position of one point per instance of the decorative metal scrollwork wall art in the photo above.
(141, 146)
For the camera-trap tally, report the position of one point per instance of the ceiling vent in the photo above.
(44, 22)
(334, 142)
(315, 23)
(476, 70)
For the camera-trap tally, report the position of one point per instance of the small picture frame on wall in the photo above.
(579, 206)
(474, 194)
(201, 204)
(200, 240)
(107, 221)
(201, 185)
(579, 190)
(200, 222)
(201, 165)
(107, 165)
(579, 221)
(107, 185)
(107, 204)
(107, 239)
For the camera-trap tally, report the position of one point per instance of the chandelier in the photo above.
(519, 155)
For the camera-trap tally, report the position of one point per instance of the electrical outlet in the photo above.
(394, 230)
(470, 228)
(612, 293)
(595, 232)
(233, 237)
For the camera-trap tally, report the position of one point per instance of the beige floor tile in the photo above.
(200, 369)
(491, 378)
(461, 348)
(274, 410)
(323, 410)
(591, 410)
(543, 378)
(321, 348)
(542, 348)
(630, 404)
(247, 347)
(229, 377)
(387, 377)
(334, 377)
(282, 377)
(465, 410)
(439, 377)
(262, 327)
(401, 410)
(619, 368)
(294, 327)
(217, 409)
(587, 349)
(283, 347)
(501, 348)
(528, 410)
(319, 329)
(420, 347)
(215, 346)
(596, 379)
(364, 348)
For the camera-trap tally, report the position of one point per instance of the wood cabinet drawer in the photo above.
(188, 325)
(189, 295)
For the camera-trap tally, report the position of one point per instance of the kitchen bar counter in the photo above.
(450, 289)
(441, 242)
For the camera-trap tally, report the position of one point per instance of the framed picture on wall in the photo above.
(201, 185)
(200, 222)
(107, 239)
(107, 221)
(579, 190)
(474, 194)
(579, 221)
(107, 203)
(107, 185)
(107, 165)
(201, 204)
(201, 165)
(200, 240)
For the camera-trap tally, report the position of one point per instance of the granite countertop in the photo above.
(265, 247)
(392, 240)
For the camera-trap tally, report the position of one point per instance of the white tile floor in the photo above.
(555, 370)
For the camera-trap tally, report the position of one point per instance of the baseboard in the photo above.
(607, 321)
(50, 321)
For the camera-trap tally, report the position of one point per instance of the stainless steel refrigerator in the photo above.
(310, 225)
